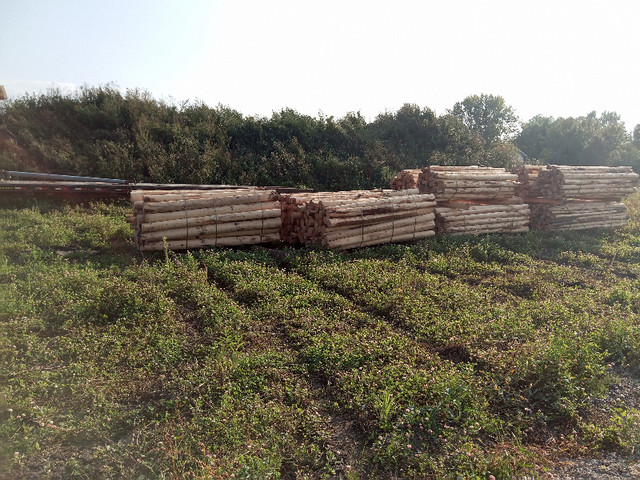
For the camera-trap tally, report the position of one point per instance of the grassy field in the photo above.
(459, 356)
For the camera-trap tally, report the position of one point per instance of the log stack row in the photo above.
(470, 199)
(476, 218)
(353, 219)
(564, 182)
(406, 179)
(187, 219)
(564, 197)
(472, 183)
(455, 200)
(578, 215)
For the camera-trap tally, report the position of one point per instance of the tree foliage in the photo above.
(104, 132)
(487, 116)
(587, 140)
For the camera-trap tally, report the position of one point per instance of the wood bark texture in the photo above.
(578, 215)
(478, 218)
(189, 219)
(451, 183)
(549, 183)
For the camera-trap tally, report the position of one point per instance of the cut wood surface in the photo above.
(406, 179)
(220, 229)
(187, 221)
(357, 218)
(203, 212)
(211, 242)
(358, 241)
(213, 199)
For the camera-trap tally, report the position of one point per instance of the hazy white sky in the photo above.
(557, 58)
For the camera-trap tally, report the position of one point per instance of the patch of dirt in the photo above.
(344, 440)
(609, 466)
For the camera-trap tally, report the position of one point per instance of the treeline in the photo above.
(103, 132)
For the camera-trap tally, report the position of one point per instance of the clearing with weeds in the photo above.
(462, 356)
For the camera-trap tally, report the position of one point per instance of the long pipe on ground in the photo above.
(56, 177)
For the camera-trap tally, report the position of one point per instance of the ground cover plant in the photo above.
(458, 356)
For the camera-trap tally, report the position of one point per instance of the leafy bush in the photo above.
(102, 132)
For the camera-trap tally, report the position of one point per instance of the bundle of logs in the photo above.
(185, 219)
(576, 197)
(470, 199)
(484, 184)
(473, 218)
(406, 179)
(563, 182)
(357, 218)
(435, 198)
(578, 215)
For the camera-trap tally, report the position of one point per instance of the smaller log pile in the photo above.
(468, 183)
(406, 179)
(470, 218)
(542, 184)
(296, 226)
(344, 220)
(578, 215)
(564, 197)
(188, 219)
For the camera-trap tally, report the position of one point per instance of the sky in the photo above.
(557, 58)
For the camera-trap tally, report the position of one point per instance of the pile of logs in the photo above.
(529, 187)
(470, 199)
(564, 182)
(406, 179)
(186, 219)
(484, 184)
(564, 197)
(454, 200)
(353, 219)
(578, 215)
(472, 218)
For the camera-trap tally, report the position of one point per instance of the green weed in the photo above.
(460, 356)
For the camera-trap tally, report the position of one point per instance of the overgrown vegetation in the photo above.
(463, 356)
(458, 356)
(101, 132)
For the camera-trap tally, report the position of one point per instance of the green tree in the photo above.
(459, 145)
(532, 138)
(587, 140)
(487, 116)
(411, 134)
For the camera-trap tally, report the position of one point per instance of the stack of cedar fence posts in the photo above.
(357, 218)
(187, 219)
(565, 197)
(471, 199)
